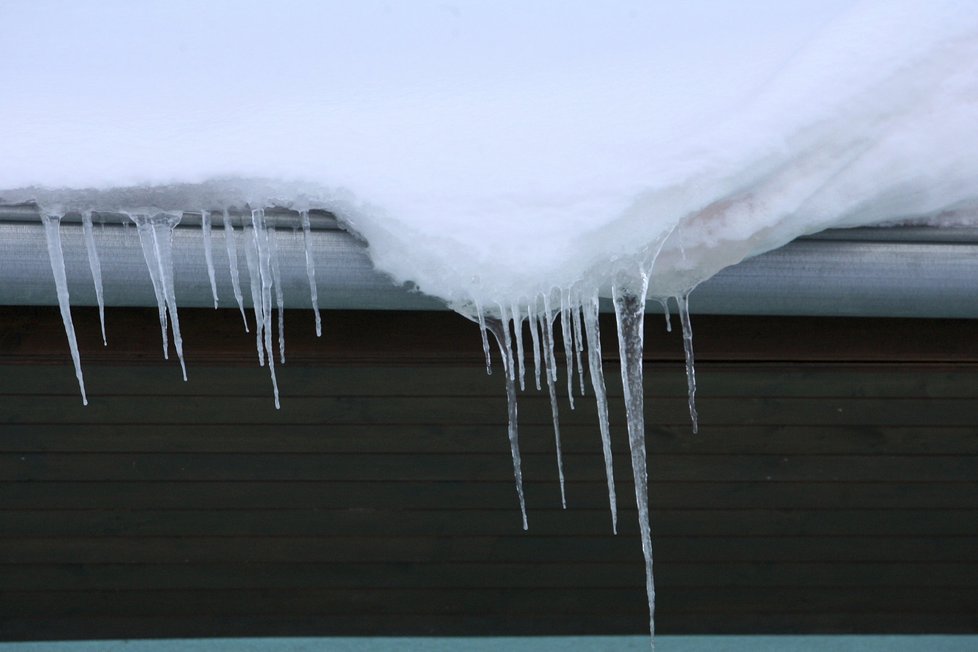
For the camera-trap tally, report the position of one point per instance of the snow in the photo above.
(496, 155)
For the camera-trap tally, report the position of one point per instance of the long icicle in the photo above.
(52, 232)
(554, 411)
(96, 266)
(264, 269)
(499, 328)
(232, 248)
(162, 229)
(595, 363)
(535, 336)
(311, 271)
(683, 302)
(254, 276)
(279, 290)
(147, 243)
(205, 227)
(629, 302)
(565, 332)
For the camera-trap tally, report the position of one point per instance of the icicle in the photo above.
(683, 303)
(279, 292)
(264, 270)
(601, 398)
(551, 387)
(578, 342)
(233, 266)
(548, 326)
(485, 339)
(532, 318)
(665, 309)
(311, 272)
(254, 277)
(52, 225)
(565, 332)
(205, 227)
(510, 369)
(500, 330)
(629, 302)
(147, 243)
(156, 239)
(96, 267)
(518, 330)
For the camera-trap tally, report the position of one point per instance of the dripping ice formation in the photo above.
(562, 153)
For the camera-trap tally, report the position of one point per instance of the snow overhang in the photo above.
(866, 272)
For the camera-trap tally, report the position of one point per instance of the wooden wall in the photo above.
(833, 486)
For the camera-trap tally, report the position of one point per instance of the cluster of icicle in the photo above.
(156, 240)
(579, 327)
(577, 312)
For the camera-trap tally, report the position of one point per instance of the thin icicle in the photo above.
(52, 232)
(578, 342)
(147, 243)
(592, 327)
(518, 331)
(482, 331)
(629, 302)
(96, 266)
(565, 332)
(205, 227)
(279, 291)
(534, 335)
(554, 412)
(232, 248)
(254, 277)
(500, 330)
(311, 272)
(265, 272)
(156, 239)
(509, 368)
(683, 303)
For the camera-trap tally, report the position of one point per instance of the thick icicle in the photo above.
(629, 299)
(554, 411)
(591, 325)
(485, 339)
(565, 332)
(311, 272)
(205, 227)
(279, 292)
(578, 342)
(518, 331)
(534, 335)
(232, 247)
(500, 328)
(147, 244)
(156, 239)
(254, 277)
(96, 266)
(264, 270)
(52, 225)
(683, 303)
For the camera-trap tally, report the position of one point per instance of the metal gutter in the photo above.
(874, 272)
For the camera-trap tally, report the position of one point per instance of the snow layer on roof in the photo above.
(491, 151)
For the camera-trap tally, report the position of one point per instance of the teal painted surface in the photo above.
(535, 644)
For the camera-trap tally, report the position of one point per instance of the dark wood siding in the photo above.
(833, 486)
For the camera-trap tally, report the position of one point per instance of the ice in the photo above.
(550, 369)
(499, 329)
(156, 239)
(629, 296)
(279, 292)
(517, 315)
(205, 227)
(262, 251)
(96, 267)
(481, 318)
(595, 365)
(665, 309)
(52, 225)
(533, 319)
(232, 249)
(254, 277)
(683, 303)
(578, 341)
(311, 272)
(565, 332)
